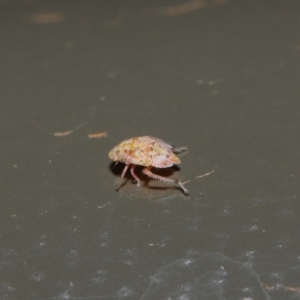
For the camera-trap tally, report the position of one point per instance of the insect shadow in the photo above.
(118, 168)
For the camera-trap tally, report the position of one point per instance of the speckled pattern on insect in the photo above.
(149, 152)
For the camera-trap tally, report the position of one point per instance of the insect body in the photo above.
(149, 152)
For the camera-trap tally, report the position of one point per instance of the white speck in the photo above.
(125, 292)
(253, 228)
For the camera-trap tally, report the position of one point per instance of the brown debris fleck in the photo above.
(64, 133)
(287, 288)
(183, 8)
(292, 288)
(97, 135)
(47, 18)
(188, 7)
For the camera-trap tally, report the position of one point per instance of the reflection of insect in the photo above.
(149, 152)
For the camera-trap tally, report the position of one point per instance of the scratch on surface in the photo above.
(210, 82)
(97, 135)
(219, 264)
(206, 174)
(166, 198)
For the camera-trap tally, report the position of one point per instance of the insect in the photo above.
(149, 152)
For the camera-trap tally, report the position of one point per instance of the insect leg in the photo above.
(179, 149)
(122, 176)
(124, 171)
(164, 179)
(134, 175)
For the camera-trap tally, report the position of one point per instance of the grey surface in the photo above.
(222, 80)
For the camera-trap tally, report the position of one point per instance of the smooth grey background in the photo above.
(221, 79)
